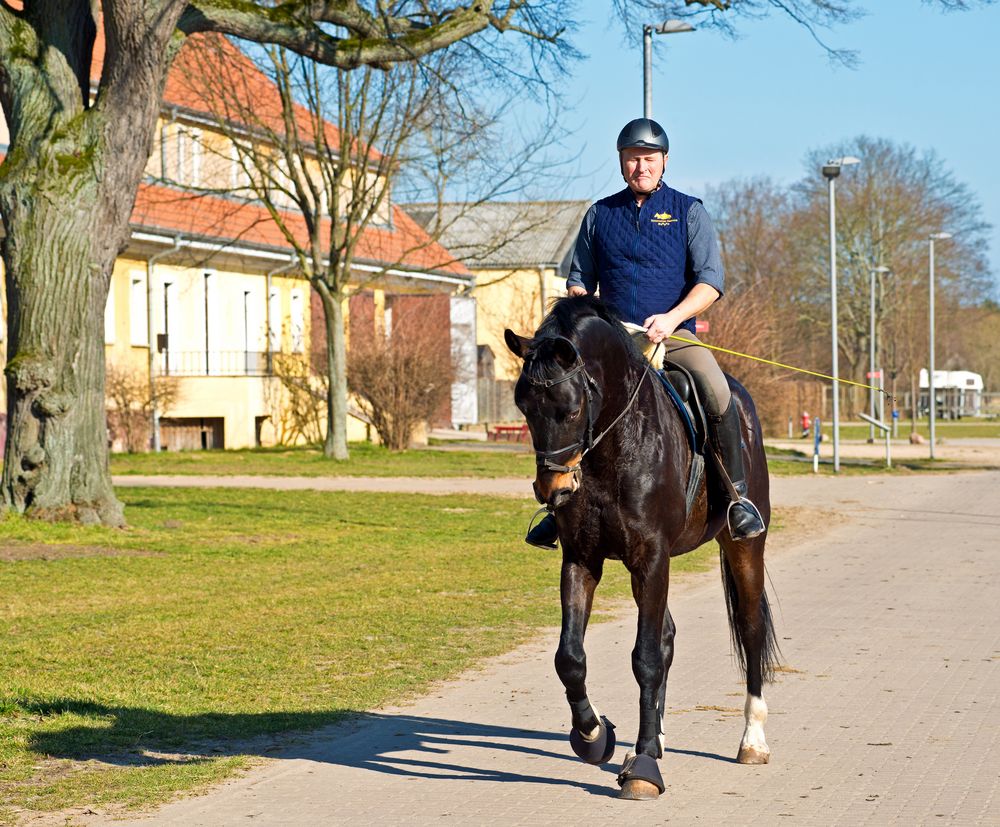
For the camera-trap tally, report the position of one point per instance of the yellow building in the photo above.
(519, 254)
(206, 301)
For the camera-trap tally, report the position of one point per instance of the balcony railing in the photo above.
(214, 363)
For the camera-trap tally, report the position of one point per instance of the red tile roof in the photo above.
(231, 221)
(250, 96)
(234, 221)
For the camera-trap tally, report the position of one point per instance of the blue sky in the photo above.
(756, 105)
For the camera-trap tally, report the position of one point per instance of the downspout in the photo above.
(292, 261)
(541, 288)
(150, 268)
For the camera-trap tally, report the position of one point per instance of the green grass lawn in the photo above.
(366, 460)
(162, 658)
(371, 460)
(943, 429)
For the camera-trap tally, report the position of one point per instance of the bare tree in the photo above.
(131, 404)
(299, 412)
(325, 152)
(402, 376)
(816, 17)
(751, 218)
(74, 165)
(775, 248)
(886, 209)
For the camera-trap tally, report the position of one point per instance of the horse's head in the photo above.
(561, 402)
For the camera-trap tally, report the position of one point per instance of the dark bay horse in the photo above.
(613, 463)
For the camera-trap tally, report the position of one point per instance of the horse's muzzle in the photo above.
(555, 488)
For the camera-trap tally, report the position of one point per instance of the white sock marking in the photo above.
(755, 714)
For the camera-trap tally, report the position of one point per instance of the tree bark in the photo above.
(335, 443)
(67, 188)
(56, 458)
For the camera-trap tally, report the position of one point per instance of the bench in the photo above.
(509, 433)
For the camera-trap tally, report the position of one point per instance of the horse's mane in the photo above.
(570, 317)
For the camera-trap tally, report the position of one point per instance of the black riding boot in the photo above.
(545, 534)
(744, 519)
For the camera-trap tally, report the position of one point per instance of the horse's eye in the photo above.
(573, 416)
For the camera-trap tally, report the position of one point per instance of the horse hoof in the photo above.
(638, 790)
(752, 755)
(640, 778)
(598, 750)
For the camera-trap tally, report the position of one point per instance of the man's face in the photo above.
(642, 168)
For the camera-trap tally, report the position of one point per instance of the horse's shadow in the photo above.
(405, 745)
(410, 746)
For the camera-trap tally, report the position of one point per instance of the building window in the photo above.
(274, 320)
(298, 322)
(180, 156)
(197, 151)
(109, 316)
(211, 309)
(137, 310)
(240, 163)
(164, 144)
(189, 156)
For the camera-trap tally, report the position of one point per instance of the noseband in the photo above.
(543, 459)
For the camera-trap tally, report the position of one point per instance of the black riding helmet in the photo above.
(645, 133)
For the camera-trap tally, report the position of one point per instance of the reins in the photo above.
(783, 365)
(589, 442)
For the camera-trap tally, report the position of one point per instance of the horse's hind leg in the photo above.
(592, 737)
(753, 635)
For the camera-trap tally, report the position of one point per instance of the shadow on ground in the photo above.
(401, 745)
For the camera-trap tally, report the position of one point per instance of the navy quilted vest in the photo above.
(641, 254)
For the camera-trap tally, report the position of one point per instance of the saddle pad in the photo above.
(682, 409)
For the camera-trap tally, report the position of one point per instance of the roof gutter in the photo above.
(275, 256)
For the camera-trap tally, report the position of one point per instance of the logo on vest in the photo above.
(662, 219)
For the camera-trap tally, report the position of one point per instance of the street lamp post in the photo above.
(932, 401)
(666, 27)
(830, 171)
(872, 350)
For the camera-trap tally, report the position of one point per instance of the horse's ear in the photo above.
(565, 351)
(518, 344)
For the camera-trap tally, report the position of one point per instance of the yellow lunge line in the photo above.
(779, 364)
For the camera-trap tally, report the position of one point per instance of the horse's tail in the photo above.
(770, 652)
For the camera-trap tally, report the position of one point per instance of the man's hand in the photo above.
(659, 327)
(576, 290)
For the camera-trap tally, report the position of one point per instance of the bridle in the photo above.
(543, 459)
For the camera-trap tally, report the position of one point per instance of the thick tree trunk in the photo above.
(56, 458)
(67, 187)
(335, 444)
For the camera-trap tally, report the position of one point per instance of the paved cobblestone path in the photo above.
(886, 711)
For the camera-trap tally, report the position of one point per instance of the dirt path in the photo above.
(886, 711)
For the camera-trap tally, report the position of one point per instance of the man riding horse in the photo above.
(653, 252)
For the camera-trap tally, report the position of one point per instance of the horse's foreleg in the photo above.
(753, 635)
(648, 657)
(667, 647)
(640, 776)
(592, 738)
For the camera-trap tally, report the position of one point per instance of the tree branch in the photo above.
(371, 40)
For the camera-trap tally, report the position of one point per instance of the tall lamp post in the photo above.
(875, 272)
(666, 27)
(830, 171)
(932, 401)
